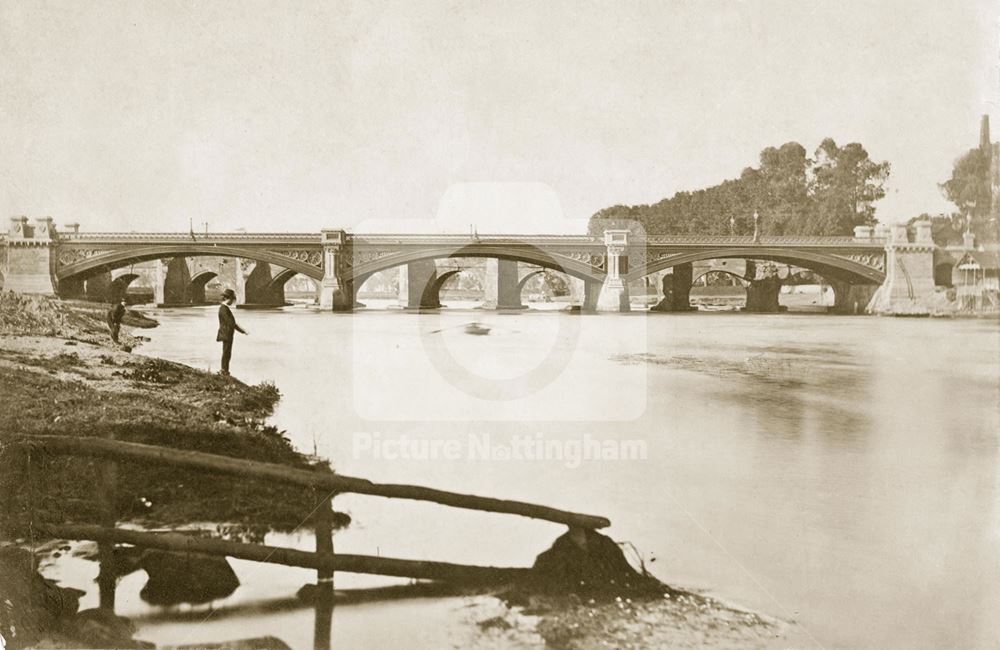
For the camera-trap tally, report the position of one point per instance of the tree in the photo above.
(792, 193)
(946, 229)
(779, 190)
(846, 185)
(969, 188)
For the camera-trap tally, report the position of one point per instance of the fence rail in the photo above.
(324, 560)
(327, 562)
(115, 449)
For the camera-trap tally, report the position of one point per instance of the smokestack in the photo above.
(984, 134)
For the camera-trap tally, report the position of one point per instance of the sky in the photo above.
(503, 116)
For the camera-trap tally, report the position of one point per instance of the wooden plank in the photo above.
(419, 569)
(102, 447)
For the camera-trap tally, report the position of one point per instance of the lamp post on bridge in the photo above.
(756, 227)
(732, 226)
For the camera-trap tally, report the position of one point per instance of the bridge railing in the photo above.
(409, 238)
(763, 240)
(182, 237)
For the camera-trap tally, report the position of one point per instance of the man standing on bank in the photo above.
(115, 315)
(227, 328)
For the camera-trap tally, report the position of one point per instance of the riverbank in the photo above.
(64, 376)
(59, 367)
(60, 374)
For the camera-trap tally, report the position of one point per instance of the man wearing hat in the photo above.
(227, 327)
(115, 316)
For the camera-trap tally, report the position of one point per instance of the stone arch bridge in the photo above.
(37, 257)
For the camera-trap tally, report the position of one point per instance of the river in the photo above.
(838, 472)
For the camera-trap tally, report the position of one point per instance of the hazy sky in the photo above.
(300, 115)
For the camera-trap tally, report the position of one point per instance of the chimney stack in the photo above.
(984, 134)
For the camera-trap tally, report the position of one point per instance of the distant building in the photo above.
(977, 281)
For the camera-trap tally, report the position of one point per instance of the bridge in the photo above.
(883, 267)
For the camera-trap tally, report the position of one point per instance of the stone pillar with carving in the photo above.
(31, 256)
(614, 292)
(333, 295)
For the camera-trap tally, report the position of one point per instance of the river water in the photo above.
(838, 472)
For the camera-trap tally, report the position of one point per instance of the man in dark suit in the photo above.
(115, 315)
(227, 328)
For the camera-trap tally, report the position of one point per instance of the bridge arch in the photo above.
(743, 281)
(125, 257)
(825, 264)
(196, 289)
(282, 278)
(535, 256)
(432, 292)
(557, 282)
(119, 286)
(523, 282)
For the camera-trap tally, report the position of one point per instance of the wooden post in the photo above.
(324, 538)
(323, 624)
(107, 579)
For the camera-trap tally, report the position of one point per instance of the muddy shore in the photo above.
(61, 374)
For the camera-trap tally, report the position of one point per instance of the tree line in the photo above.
(794, 194)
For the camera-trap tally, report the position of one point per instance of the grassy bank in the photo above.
(61, 374)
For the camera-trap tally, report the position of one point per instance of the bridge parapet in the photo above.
(30, 260)
(183, 237)
(763, 240)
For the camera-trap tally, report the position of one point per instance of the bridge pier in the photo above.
(31, 260)
(501, 285)
(260, 289)
(614, 292)
(159, 282)
(851, 298)
(762, 296)
(418, 285)
(676, 289)
(583, 294)
(762, 292)
(908, 289)
(73, 288)
(176, 282)
(97, 288)
(332, 294)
